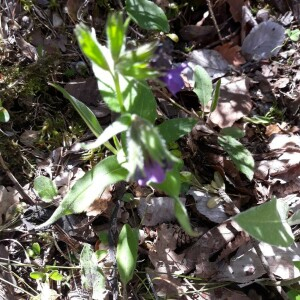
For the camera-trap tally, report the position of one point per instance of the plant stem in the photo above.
(119, 92)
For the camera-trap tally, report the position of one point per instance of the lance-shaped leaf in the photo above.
(120, 125)
(92, 276)
(147, 15)
(135, 63)
(88, 188)
(127, 250)
(91, 47)
(268, 223)
(86, 114)
(240, 156)
(203, 85)
(183, 218)
(115, 32)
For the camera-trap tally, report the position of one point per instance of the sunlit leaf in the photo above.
(173, 129)
(241, 157)
(4, 115)
(216, 96)
(127, 250)
(115, 32)
(88, 188)
(120, 125)
(91, 47)
(147, 15)
(55, 275)
(92, 276)
(268, 223)
(203, 85)
(45, 188)
(86, 114)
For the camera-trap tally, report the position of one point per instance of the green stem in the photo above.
(119, 92)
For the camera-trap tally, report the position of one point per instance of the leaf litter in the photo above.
(222, 252)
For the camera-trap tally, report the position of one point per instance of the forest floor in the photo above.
(259, 94)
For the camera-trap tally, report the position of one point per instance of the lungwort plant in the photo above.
(137, 148)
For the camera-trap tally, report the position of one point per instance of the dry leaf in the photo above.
(157, 210)
(216, 214)
(245, 265)
(9, 198)
(234, 103)
(272, 129)
(211, 60)
(231, 53)
(163, 256)
(281, 83)
(263, 41)
(236, 9)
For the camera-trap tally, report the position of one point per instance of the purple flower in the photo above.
(153, 172)
(173, 79)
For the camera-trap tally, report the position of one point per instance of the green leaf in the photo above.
(203, 85)
(45, 188)
(88, 188)
(233, 132)
(173, 129)
(120, 125)
(90, 46)
(37, 275)
(216, 95)
(297, 264)
(147, 15)
(295, 218)
(92, 276)
(293, 294)
(36, 248)
(183, 218)
(127, 250)
(115, 32)
(268, 223)
(171, 185)
(86, 114)
(101, 254)
(56, 276)
(4, 115)
(241, 157)
(294, 35)
(140, 100)
(135, 63)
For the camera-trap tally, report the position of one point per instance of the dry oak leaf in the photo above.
(163, 255)
(231, 53)
(234, 103)
(236, 9)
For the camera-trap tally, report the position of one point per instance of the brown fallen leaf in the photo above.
(246, 266)
(157, 210)
(231, 53)
(234, 103)
(236, 9)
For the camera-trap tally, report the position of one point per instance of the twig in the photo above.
(19, 188)
(214, 20)
(113, 231)
(166, 97)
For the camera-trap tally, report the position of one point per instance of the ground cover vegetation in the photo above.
(149, 149)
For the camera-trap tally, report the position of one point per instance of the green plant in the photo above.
(137, 147)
